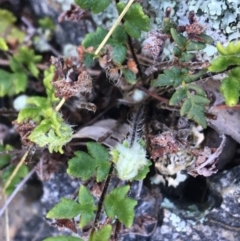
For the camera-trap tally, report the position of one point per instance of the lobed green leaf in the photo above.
(95, 38)
(96, 6)
(117, 204)
(82, 166)
(230, 87)
(101, 156)
(87, 206)
(222, 63)
(178, 96)
(67, 208)
(102, 234)
(135, 19)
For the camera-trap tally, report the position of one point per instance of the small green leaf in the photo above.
(4, 159)
(87, 206)
(179, 39)
(142, 173)
(29, 113)
(63, 238)
(198, 99)
(135, 20)
(46, 23)
(169, 77)
(129, 76)
(95, 38)
(168, 24)
(22, 172)
(33, 69)
(119, 35)
(231, 49)
(101, 156)
(82, 166)
(193, 46)
(222, 63)
(207, 39)
(119, 53)
(3, 45)
(96, 6)
(197, 89)
(178, 96)
(230, 87)
(186, 57)
(103, 234)
(177, 51)
(117, 204)
(195, 110)
(20, 82)
(67, 208)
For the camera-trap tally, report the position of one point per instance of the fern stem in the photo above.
(16, 169)
(114, 26)
(60, 104)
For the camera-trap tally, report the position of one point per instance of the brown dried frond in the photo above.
(163, 144)
(132, 66)
(25, 129)
(65, 223)
(66, 88)
(75, 13)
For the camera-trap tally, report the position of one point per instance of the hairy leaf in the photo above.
(96, 6)
(29, 113)
(67, 208)
(117, 204)
(63, 238)
(135, 20)
(103, 234)
(52, 133)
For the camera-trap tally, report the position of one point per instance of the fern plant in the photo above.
(229, 57)
(126, 161)
(192, 97)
